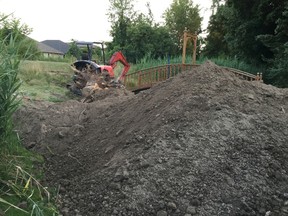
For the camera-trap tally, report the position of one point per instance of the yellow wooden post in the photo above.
(187, 36)
(184, 46)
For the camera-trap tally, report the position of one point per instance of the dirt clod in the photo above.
(202, 143)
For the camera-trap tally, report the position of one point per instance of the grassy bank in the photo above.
(21, 190)
(45, 80)
(21, 173)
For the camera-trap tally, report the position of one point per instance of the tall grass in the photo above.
(9, 84)
(67, 59)
(44, 80)
(237, 64)
(21, 193)
(148, 62)
(16, 184)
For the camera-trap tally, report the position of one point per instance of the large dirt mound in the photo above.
(201, 143)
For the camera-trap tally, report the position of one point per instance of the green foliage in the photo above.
(68, 58)
(74, 50)
(234, 27)
(20, 191)
(16, 184)
(182, 14)
(148, 39)
(45, 80)
(120, 14)
(12, 27)
(9, 84)
(278, 73)
(278, 44)
(235, 63)
(215, 41)
(250, 31)
(136, 34)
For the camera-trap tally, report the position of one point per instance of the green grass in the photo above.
(45, 80)
(146, 62)
(237, 64)
(21, 192)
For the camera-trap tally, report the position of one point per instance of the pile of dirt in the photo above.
(201, 143)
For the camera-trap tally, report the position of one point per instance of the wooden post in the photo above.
(193, 37)
(184, 46)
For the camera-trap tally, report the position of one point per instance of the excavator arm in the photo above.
(118, 56)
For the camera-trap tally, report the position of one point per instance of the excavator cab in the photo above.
(86, 58)
(90, 45)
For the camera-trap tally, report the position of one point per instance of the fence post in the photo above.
(258, 76)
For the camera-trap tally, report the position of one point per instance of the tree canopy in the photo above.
(12, 27)
(253, 31)
(136, 34)
(181, 15)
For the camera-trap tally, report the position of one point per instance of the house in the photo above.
(48, 51)
(57, 45)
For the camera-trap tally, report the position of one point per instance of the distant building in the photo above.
(57, 45)
(48, 51)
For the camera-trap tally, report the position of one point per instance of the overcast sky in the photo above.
(84, 20)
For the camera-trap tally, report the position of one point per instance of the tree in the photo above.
(215, 5)
(120, 14)
(181, 15)
(254, 32)
(243, 21)
(12, 27)
(278, 44)
(146, 39)
(215, 41)
(136, 34)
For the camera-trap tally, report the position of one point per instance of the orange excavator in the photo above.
(89, 76)
(107, 69)
(116, 57)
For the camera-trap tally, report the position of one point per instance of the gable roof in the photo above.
(57, 44)
(47, 49)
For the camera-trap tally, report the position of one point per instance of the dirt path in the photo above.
(201, 143)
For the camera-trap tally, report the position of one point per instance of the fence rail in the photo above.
(245, 75)
(145, 78)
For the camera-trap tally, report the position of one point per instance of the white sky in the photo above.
(84, 20)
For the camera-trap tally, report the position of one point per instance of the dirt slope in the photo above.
(202, 143)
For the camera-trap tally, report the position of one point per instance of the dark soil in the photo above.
(202, 143)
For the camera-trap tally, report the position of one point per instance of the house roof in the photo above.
(57, 44)
(47, 49)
